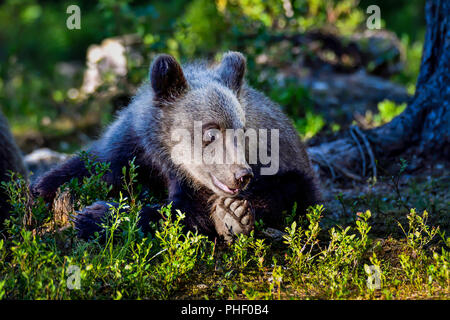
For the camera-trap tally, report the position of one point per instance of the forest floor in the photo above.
(389, 200)
(369, 240)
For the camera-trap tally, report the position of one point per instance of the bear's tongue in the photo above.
(223, 186)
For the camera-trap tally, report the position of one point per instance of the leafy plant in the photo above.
(93, 186)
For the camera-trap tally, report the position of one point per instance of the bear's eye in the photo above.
(211, 135)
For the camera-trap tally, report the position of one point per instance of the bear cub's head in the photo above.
(204, 121)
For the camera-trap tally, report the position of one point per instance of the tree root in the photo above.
(424, 125)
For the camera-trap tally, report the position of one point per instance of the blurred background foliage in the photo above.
(42, 62)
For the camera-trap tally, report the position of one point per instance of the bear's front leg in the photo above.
(47, 185)
(232, 216)
(90, 219)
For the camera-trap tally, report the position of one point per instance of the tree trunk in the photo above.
(425, 123)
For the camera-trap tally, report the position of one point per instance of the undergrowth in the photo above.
(40, 261)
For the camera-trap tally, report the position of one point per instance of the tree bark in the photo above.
(425, 123)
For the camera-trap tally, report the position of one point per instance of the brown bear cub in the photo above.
(10, 161)
(179, 128)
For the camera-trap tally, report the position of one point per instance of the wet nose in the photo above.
(243, 176)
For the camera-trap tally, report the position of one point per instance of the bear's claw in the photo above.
(232, 216)
(91, 218)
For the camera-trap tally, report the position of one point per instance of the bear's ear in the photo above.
(167, 78)
(232, 70)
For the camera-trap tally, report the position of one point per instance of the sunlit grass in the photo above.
(311, 262)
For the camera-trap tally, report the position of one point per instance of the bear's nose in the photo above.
(243, 176)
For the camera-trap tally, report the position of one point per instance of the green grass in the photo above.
(387, 110)
(312, 261)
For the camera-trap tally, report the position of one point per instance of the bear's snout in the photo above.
(243, 177)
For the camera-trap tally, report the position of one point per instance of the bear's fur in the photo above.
(219, 199)
(10, 161)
